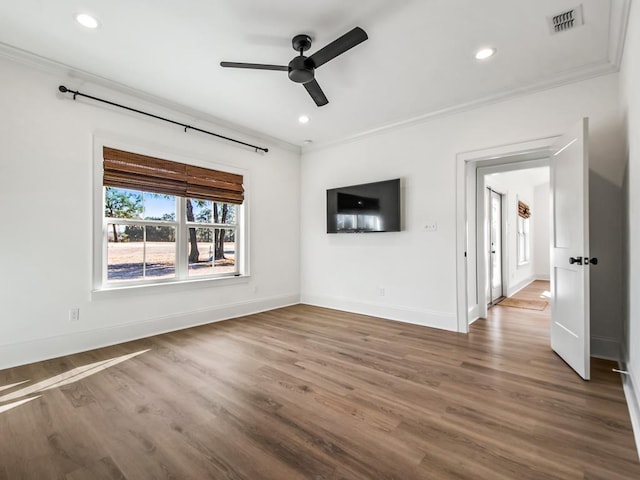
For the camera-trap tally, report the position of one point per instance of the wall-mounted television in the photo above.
(370, 207)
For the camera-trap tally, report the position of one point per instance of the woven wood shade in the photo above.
(150, 174)
(523, 210)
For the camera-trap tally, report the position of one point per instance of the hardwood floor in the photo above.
(310, 393)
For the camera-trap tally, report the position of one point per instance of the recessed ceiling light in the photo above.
(303, 119)
(308, 142)
(485, 53)
(87, 20)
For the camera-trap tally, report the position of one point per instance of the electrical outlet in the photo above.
(431, 227)
(74, 314)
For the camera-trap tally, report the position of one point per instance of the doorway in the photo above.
(515, 224)
(511, 267)
(471, 271)
(567, 155)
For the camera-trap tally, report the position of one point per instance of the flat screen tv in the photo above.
(370, 207)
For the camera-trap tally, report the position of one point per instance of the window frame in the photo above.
(525, 234)
(100, 223)
(134, 222)
(223, 226)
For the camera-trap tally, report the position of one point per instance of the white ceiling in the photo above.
(521, 179)
(418, 61)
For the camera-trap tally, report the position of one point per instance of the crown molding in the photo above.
(79, 77)
(585, 73)
(619, 15)
(618, 21)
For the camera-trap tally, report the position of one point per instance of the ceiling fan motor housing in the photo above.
(300, 70)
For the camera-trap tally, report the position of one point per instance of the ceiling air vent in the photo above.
(563, 21)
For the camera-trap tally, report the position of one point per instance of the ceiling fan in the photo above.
(302, 69)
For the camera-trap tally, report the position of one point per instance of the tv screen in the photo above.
(370, 207)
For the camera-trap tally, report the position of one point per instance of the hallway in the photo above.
(520, 346)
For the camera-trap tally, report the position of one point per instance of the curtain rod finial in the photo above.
(63, 89)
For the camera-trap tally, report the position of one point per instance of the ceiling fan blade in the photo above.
(316, 92)
(338, 47)
(255, 66)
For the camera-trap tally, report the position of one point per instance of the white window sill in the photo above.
(120, 291)
(523, 264)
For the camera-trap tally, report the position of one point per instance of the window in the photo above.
(166, 221)
(523, 237)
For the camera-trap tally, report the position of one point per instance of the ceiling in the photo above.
(418, 62)
(521, 179)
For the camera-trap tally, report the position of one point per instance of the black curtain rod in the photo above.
(64, 89)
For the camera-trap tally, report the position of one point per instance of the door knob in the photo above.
(577, 260)
(592, 261)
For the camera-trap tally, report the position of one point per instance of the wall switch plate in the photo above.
(74, 314)
(381, 291)
(431, 227)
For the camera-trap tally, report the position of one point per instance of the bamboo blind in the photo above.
(523, 210)
(150, 174)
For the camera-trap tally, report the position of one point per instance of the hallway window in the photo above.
(523, 235)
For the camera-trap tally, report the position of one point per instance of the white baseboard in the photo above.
(542, 276)
(473, 320)
(426, 318)
(604, 347)
(473, 314)
(21, 353)
(631, 393)
(511, 291)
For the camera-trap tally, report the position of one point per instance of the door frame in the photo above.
(512, 156)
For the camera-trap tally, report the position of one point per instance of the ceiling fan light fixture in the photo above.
(303, 119)
(87, 21)
(485, 53)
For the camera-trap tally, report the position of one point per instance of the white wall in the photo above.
(46, 187)
(630, 102)
(605, 237)
(541, 239)
(417, 268)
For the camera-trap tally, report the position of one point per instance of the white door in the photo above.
(570, 333)
(495, 246)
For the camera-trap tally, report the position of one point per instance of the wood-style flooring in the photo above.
(310, 393)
